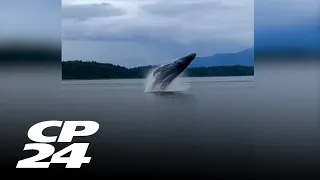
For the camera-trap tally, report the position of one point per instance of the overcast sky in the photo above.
(140, 32)
(21, 21)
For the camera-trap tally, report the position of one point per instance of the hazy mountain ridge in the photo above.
(242, 58)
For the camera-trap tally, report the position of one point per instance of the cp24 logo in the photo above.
(68, 131)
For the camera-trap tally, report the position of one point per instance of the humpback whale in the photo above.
(166, 73)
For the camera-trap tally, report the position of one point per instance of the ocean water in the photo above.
(205, 126)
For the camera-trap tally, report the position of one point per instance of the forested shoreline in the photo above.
(96, 70)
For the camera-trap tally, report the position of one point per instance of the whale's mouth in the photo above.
(188, 58)
(191, 56)
(183, 62)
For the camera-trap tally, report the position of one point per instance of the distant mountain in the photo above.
(242, 58)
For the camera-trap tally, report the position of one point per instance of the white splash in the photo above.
(178, 84)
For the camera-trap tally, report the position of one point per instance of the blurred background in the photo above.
(284, 105)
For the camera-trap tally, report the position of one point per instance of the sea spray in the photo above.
(179, 84)
(149, 81)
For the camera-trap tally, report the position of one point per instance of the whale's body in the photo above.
(165, 74)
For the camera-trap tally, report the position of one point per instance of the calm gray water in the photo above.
(205, 126)
(124, 101)
(217, 124)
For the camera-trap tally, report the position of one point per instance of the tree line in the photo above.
(96, 70)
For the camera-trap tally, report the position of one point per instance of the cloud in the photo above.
(129, 32)
(181, 8)
(205, 26)
(181, 21)
(88, 11)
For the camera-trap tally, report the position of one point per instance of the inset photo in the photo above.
(158, 45)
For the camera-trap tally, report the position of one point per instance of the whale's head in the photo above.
(165, 74)
(184, 61)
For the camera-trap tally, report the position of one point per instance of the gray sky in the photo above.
(140, 32)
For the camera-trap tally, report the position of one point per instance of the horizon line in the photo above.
(158, 64)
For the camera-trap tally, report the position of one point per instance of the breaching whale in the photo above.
(166, 73)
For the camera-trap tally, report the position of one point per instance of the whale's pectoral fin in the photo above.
(160, 69)
(163, 86)
(157, 81)
(155, 73)
(167, 81)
